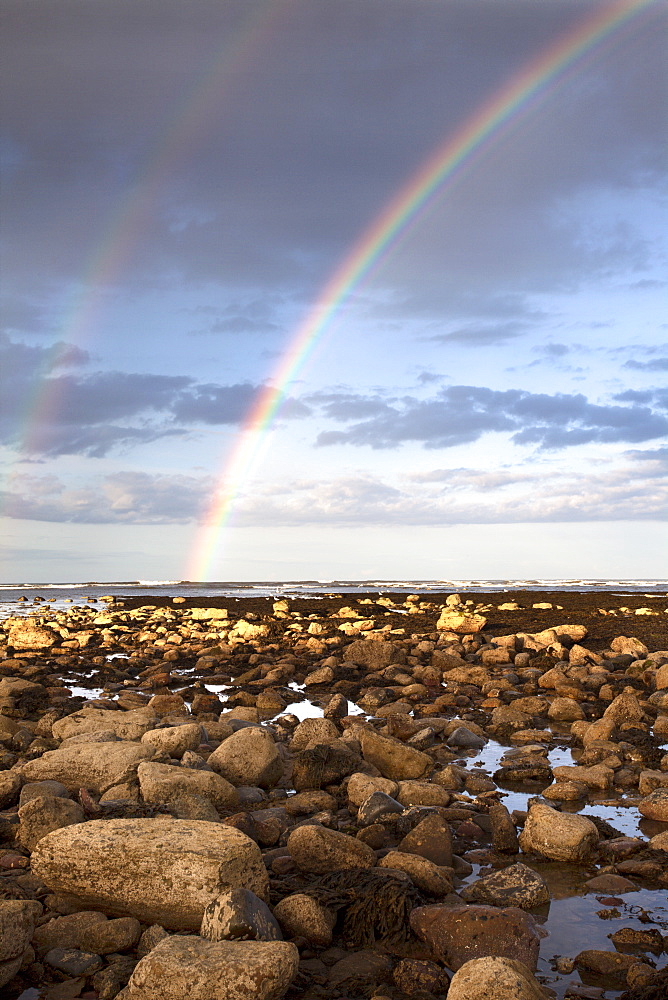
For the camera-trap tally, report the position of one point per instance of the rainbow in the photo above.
(522, 94)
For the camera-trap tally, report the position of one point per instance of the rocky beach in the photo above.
(332, 798)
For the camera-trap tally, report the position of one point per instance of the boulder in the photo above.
(302, 916)
(424, 874)
(167, 783)
(317, 849)
(43, 814)
(17, 923)
(248, 757)
(393, 758)
(158, 870)
(86, 766)
(27, 635)
(88, 931)
(213, 970)
(174, 740)
(457, 934)
(130, 725)
(430, 839)
(361, 786)
(517, 885)
(655, 805)
(371, 653)
(238, 914)
(460, 622)
(556, 835)
(495, 979)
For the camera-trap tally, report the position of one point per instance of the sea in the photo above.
(19, 598)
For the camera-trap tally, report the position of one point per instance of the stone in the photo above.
(240, 915)
(130, 725)
(167, 783)
(248, 757)
(33, 789)
(624, 708)
(371, 653)
(27, 635)
(360, 968)
(86, 766)
(158, 870)
(629, 644)
(317, 849)
(175, 740)
(377, 804)
(565, 710)
(311, 732)
(10, 786)
(422, 793)
(504, 834)
(495, 979)
(302, 916)
(360, 786)
(466, 739)
(88, 931)
(323, 764)
(599, 776)
(431, 839)
(213, 970)
(73, 962)
(424, 874)
(151, 936)
(108, 982)
(605, 963)
(460, 622)
(565, 791)
(655, 805)
(19, 697)
(17, 923)
(457, 934)
(610, 885)
(558, 836)
(393, 759)
(517, 885)
(43, 814)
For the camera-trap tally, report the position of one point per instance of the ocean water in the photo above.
(63, 595)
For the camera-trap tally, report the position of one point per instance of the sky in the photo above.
(203, 375)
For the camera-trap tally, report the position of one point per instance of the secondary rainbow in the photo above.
(522, 94)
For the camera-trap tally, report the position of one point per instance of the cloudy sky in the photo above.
(181, 183)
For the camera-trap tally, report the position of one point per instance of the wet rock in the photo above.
(655, 806)
(248, 757)
(167, 783)
(377, 804)
(457, 934)
(495, 979)
(43, 814)
(393, 759)
(302, 916)
(360, 970)
(559, 836)
(159, 870)
(415, 976)
(85, 766)
(565, 710)
(605, 963)
(431, 839)
(73, 962)
(238, 914)
(504, 834)
(599, 776)
(610, 884)
(424, 874)
(129, 725)
(422, 793)
(465, 739)
(175, 740)
(517, 885)
(17, 923)
(565, 791)
(316, 849)
(213, 970)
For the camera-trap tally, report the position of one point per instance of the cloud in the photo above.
(655, 365)
(463, 414)
(482, 336)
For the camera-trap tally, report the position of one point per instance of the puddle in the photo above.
(90, 694)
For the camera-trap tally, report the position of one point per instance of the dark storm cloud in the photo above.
(313, 118)
(462, 414)
(92, 414)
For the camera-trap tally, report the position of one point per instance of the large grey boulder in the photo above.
(88, 765)
(191, 967)
(160, 870)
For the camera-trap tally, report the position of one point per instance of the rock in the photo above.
(393, 759)
(323, 764)
(565, 791)
(130, 725)
(213, 970)
(311, 732)
(86, 766)
(167, 783)
(599, 776)
(43, 814)
(495, 979)
(655, 806)
(10, 786)
(431, 839)
(627, 644)
(377, 804)
(415, 977)
(466, 739)
(371, 653)
(422, 793)
(159, 870)
(360, 969)
(248, 757)
(517, 885)
(73, 962)
(457, 934)
(460, 622)
(151, 936)
(27, 635)
(175, 740)
(559, 836)
(33, 789)
(605, 963)
(360, 787)
(610, 885)
(108, 982)
(88, 931)
(302, 916)
(238, 914)
(317, 849)
(424, 874)
(19, 697)
(17, 923)
(565, 710)
(504, 834)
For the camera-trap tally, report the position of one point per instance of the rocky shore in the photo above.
(245, 798)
